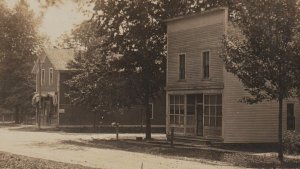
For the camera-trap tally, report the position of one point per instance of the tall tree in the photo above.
(262, 57)
(135, 32)
(19, 44)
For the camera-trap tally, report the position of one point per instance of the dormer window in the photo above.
(182, 66)
(205, 56)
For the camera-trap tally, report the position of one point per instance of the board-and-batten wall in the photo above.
(192, 36)
(244, 123)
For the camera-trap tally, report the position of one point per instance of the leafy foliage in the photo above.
(291, 142)
(125, 51)
(19, 45)
(263, 59)
(263, 56)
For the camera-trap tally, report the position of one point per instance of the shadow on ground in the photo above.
(189, 153)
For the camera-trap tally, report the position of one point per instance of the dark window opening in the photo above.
(182, 66)
(290, 117)
(205, 64)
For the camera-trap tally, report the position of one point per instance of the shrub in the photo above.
(291, 142)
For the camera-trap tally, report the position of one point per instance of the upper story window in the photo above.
(205, 56)
(43, 77)
(50, 76)
(182, 66)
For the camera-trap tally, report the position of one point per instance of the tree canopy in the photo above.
(19, 45)
(263, 56)
(127, 38)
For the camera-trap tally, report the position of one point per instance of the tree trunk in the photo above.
(148, 119)
(95, 121)
(17, 115)
(280, 145)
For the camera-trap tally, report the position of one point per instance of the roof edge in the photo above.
(196, 14)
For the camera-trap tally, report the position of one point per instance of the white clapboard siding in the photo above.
(244, 123)
(192, 36)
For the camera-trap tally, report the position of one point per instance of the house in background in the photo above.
(57, 109)
(203, 99)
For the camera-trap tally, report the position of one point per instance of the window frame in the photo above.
(289, 117)
(204, 64)
(43, 76)
(51, 74)
(215, 106)
(177, 106)
(180, 68)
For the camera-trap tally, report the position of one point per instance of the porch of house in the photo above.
(195, 116)
(47, 110)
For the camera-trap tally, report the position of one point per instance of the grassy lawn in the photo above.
(11, 161)
(190, 153)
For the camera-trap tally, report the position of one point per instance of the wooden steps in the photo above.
(194, 140)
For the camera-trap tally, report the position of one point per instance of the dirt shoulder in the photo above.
(201, 154)
(12, 161)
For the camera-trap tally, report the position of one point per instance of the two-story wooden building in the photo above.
(203, 99)
(52, 72)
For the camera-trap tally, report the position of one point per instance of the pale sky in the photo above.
(57, 19)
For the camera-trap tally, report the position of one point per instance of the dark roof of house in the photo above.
(59, 58)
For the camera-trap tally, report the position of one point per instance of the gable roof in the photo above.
(59, 58)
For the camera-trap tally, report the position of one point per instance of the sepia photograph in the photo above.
(149, 84)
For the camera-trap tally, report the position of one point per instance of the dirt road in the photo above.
(48, 145)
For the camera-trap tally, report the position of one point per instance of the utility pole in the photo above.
(40, 93)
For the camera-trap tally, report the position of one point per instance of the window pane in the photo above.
(219, 110)
(212, 121)
(181, 120)
(172, 119)
(200, 98)
(290, 109)
(206, 121)
(205, 56)
(172, 98)
(213, 99)
(206, 99)
(181, 99)
(219, 122)
(177, 109)
(219, 99)
(177, 99)
(212, 111)
(172, 109)
(176, 119)
(206, 110)
(182, 66)
(182, 109)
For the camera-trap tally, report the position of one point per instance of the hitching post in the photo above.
(172, 136)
